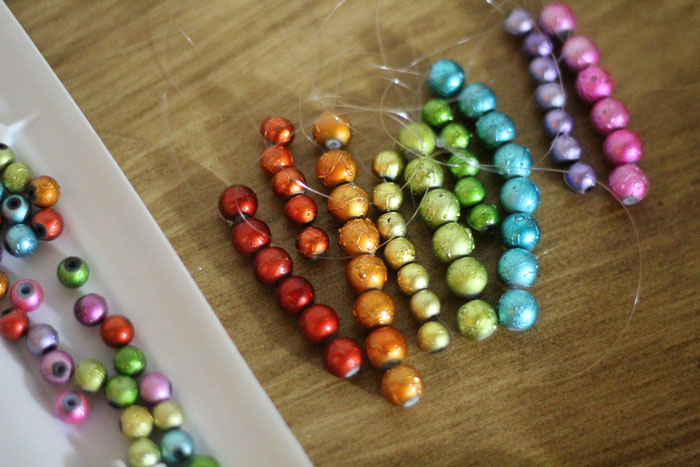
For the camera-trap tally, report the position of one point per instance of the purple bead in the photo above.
(558, 122)
(580, 178)
(608, 115)
(594, 83)
(71, 407)
(578, 52)
(550, 96)
(629, 183)
(543, 70)
(41, 338)
(57, 367)
(26, 295)
(565, 149)
(155, 387)
(557, 19)
(537, 44)
(518, 22)
(622, 147)
(90, 309)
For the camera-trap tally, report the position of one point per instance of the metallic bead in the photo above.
(26, 295)
(251, 235)
(517, 268)
(332, 130)
(294, 294)
(565, 149)
(57, 367)
(288, 182)
(438, 207)
(312, 242)
(543, 70)
(374, 308)
(402, 385)
(433, 337)
(176, 446)
(466, 277)
(388, 165)
(385, 347)
(387, 196)
(343, 357)
(557, 19)
(358, 236)
(4, 283)
(318, 323)
(135, 422)
(469, 191)
(116, 331)
(391, 225)
(517, 310)
(47, 224)
(512, 160)
(398, 252)
(422, 174)
(476, 320)
(15, 209)
(424, 305)
(579, 52)
(275, 158)
(237, 201)
(300, 210)
(155, 388)
(416, 138)
(277, 130)
(336, 167)
(628, 183)
(437, 112)
(518, 22)
(484, 218)
(73, 272)
(519, 194)
(71, 407)
(167, 415)
(608, 115)
(537, 44)
(13, 324)
(520, 231)
(476, 100)
(580, 177)
(454, 136)
(348, 201)
(594, 83)
(495, 129)
(16, 177)
(622, 147)
(20, 241)
(365, 272)
(90, 375)
(558, 121)
(130, 361)
(463, 164)
(7, 157)
(445, 78)
(121, 391)
(143, 453)
(41, 339)
(43, 191)
(550, 96)
(203, 461)
(271, 265)
(452, 241)
(90, 309)
(412, 278)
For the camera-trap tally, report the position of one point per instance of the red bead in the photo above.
(318, 323)
(47, 224)
(272, 264)
(343, 357)
(236, 201)
(116, 331)
(250, 236)
(294, 294)
(288, 182)
(275, 158)
(13, 324)
(277, 130)
(301, 210)
(312, 242)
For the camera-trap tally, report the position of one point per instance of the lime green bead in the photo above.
(388, 165)
(476, 320)
(121, 391)
(470, 191)
(417, 138)
(7, 157)
(463, 163)
(143, 453)
(136, 422)
(423, 173)
(452, 241)
(90, 375)
(16, 176)
(387, 196)
(484, 218)
(466, 277)
(437, 112)
(129, 361)
(73, 272)
(168, 414)
(203, 461)
(455, 136)
(439, 207)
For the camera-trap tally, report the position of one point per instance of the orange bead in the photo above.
(43, 191)
(277, 130)
(402, 385)
(288, 182)
(374, 308)
(336, 167)
(365, 272)
(300, 209)
(332, 130)
(116, 331)
(4, 284)
(385, 347)
(347, 202)
(275, 158)
(47, 224)
(358, 236)
(312, 242)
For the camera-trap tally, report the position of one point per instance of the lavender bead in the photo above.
(518, 22)
(550, 96)
(594, 83)
(543, 70)
(41, 338)
(57, 367)
(557, 19)
(565, 149)
(537, 44)
(558, 122)
(155, 388)
(580, 178)
(90, 309)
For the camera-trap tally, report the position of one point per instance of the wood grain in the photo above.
(177, 90)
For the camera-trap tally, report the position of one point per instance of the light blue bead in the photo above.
(519, 195)
(495, 129)
(517, 268)
(475, 100)
(176, 446)
(20, 240)
(15, 209)
(512, 160)
(520, 231)
(517, 310)
(445, 78)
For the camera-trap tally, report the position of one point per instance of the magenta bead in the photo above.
(622, 147)
(629, 183)
(594, 83)
(90, 309)
(155, 387)
(579, 52)
(57, 367)
(26, 295)
(71, 407)
(557, 19)
(608, 115)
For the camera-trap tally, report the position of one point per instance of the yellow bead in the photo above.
(391, 225)
(433, 337)
(398, 252)
(387, 196)
(143, 453)
(413, 278)
(424, 305)
(167, 415)
(388, 165)
(136, 422)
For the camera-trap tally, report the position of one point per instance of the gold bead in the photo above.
(433, 337)
(348, 201)
(332, 130)
(374, 308)
(424, 305)
(336, 167)
(398, 252)
(4, 284)
(391, 225)
(143, 453)
(388, 165)
(412, 278)
(168, 414)
(387, 196)
(358, 236)
(136, 422)
(365, 272)
(402, 385)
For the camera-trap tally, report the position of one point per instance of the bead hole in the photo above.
(40, 230)
(3, 146)
(14, 203)
(72, 264)
(59, 368)
(25, 289)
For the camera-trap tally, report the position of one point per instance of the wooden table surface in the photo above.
(177, 91)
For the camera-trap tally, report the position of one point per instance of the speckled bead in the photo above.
(512, 160)
(557, 19)
(580, 178)
(143, 453)
(121, 391)
(452, 241)
(90, 375)
(579, 52)
(565, 149)
(519, 194)
(517, 310)
(495, 129)
(476, 320)
(543, 70)
(629, 183)
(422, 174)
(594, 83)
(537, 44)
(608, 115)
(550, 96)
(16, 176)
(41, 339)
(438, 207)
(517, 268)
(558, 122)
(466, 277)
(520, 231)
(135, 422)
(518, 22)
(445, 78)
(129, 360)
(622, 147)
(475, 100)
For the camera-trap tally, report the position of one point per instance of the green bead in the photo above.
(469, 191)
(129, 361)
(203, 461)
(16, 176)
(484, 218)
(417, 138)
(7, 157)
(387, 196)
(388, 165)
(136, 422)
(452, 241)
(121, 391)
(143, 453)
(476, 320)
(73, 272)
(455, 136)
(463, 164)
(423, 173)
(90, 375)
(439, 206)
(437, 112)
(466, 277)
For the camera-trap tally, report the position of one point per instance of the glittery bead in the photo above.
(288, 182)
(176, 446)
(433, 337)
(26, 295)
(557, 19)
(271, 265)
(388, 165)
(495, 129)
(237, 201)
(130, 361)
(135, 422)
(391, 225)
(517, 268)
(71, 407)
(348, 201)
(412, 278)
(580, 178)
(13, 324)
(41, 339)
(422, 174)
(466, 277)
(47, 224)
(167, 415)
(463, 164)
(385, 347)
(387, 196)
(277, 130)
(57, 367)
(608, 115)
(73, 272)
(469, 191)
(300, 210)
(275, 158)
(424, 305)
(452, 241)
(518, 22)
(517, 310)
(116, 331)
(594, 83)
(203, 461)
(629, 183)
(483, 218)
(445, 78)
(155, 387)
(398, 252)
(318, 322)
(332, 130)
(438, 207)
(550, 96)
(543, 70)
(90, 375)
(20, 241)
(558, 121)
(454, 136)
(336, 167)
(121, 391)
(343, 357)
(358, 236)
(436, 113)
(294, 294)
(565, 149)
(476, 320)
(402, 385)
(43, 191)
(579, 52)
(476, 100)
(7, 157)
(622, 147)
(512, 160)
(90, 309)
(365, 272)
(519, 194)
(416, 138)
(143, 453)
(312, 242)
(537, 44)
(520, 231)
(16, 177)
(15, 209)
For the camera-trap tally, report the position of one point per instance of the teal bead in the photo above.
(463, 164)
(454, 136)
(469, 191)
(437, 113)
(484, 218)
(519, 195)
(129, 361)
(417, 138)
(520, 231)
(512, 160)
(452, 241)
(203, 461)
(475, 100)
(15, 209)
(422, 174)
(73, 272)
(20, 241)
(495, 129)
(445, 78)
(439, 207)
(121, 391)
(176, 446)
(517, 310)
(517, 268)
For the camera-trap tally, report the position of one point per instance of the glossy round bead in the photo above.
(43, 191)
(129, 360)
(203, 461)
(517, 268)
(73, 272)
(412, 278)
(476, 320)
(343, 357)
(365, 272)
(250, 236)
(433, 337)
(237, 201)
(71, 407)
(537, 44)
(20, 241)
(580, 178)
(358, 236)
(348, 201)
(512, 160)
(121, 391)
(519, 195)
(15, 209)
(558, 121)
(336, 167)
(520, 231)
(476, 100)
(543, 70)
(594, 83)
(416, 138)
(332, 130)
(116, 331)
(7, 157)
(26, 295)
(391, 225)
(463, 164)
(422, 174)
(374, 308)
(387, 196)
(454, 136)
(155, 388)
(466, 277)
(518, 22)
(294, 294)
(47, 224)
(565, 149)
(135, 422)
(13, 324)
(484, 218)
(143, 453)
(388, 165)
(16, 177)
(445, 78)
(90, 309)
(271, 265)
(176, 446)
(469, 191)
(629, 183)
(277, 130)
(495, 129)
(398, 252)
(402, 385)
(312, 242)
(452, 241)
(608, 115)
(288, 182)
(557, 19)
(579, 52)
(41, 339)
(90, 375)
(275, 158)
(385, 347)
(424, 305)
(318, 323)
(622, 147)
(438, 207)
(301, 210)
(437, 113)
(550, 96)
(4, 283)
(517, 310)
(56, 367)
(167, 415)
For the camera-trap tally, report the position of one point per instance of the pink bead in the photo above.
(622, 147)
(71, 407)
(155, 387)
(609, 114)
(594, 83)
(557, 19)
(26, 295)
(629, 183)
(579, 52)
